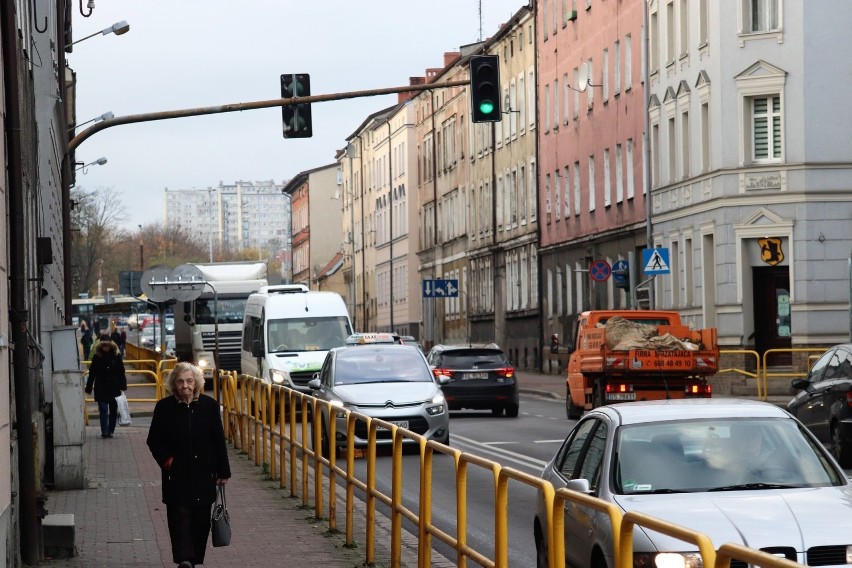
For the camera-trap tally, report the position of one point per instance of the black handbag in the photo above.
(220, 520)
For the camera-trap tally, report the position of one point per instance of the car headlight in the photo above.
(203, 361)
(667, 560)
(278, 377)
(435, 410)
(339, 408)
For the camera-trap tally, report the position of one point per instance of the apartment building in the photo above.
(443, 183)
(238, 216)
(315, 221)
(501, 210)
(591, 199)
(750, 169)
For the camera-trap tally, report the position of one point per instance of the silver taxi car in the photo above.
(383, 380)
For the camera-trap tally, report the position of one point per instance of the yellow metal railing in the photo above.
(156, 381)
(792, 374)
(280, 428)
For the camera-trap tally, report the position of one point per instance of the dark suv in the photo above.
(480, 377)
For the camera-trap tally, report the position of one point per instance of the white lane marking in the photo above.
(505, 454)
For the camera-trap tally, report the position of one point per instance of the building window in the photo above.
(628, 62)
(629, 163)
(670, 32)
(685, 152)
(591, 183)
(547, 108)
(605, 76)
(619, 174)
(705, 137)
(607, 179)
(766, 128)
(577, 188)
(616, 63)
(567, 183)
(763, 15)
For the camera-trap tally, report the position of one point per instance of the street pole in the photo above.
(390, 202)
(350, 153)
(646, 142)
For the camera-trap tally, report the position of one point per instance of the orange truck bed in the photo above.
(598, 374)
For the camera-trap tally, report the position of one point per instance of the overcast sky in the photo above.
(193, 53)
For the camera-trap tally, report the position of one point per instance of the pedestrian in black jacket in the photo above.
(106, 373)
(187, 440)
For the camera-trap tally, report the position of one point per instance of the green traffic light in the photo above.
(486, 107)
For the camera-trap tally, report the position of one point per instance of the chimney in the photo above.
(450, 57)
(402, 97)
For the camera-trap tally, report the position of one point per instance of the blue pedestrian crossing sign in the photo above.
(440, 288)
(656, 261)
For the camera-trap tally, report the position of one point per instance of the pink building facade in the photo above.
(590, 122)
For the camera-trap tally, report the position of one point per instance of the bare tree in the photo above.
(95, 219)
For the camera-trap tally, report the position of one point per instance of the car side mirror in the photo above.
(443, 379)
(255, 348)
(315, 384)
(802, 384)
(579, 485)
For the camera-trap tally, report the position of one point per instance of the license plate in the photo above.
(469, 376)
(397, 423)
(621, 396)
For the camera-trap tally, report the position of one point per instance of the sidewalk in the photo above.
(120, 519)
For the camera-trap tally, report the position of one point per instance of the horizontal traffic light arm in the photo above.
(238, 107)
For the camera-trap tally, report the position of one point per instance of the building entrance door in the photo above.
(772, 313)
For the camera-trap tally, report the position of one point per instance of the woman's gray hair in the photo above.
(182, 367)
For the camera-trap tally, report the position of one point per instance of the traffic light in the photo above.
(485, 88)
(297, 118)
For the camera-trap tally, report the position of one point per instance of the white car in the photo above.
(738, 471)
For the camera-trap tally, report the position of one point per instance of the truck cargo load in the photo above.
(625, 355)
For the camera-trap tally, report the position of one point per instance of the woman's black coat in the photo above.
(192, 435)
(107, 373)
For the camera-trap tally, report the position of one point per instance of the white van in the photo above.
(287, 332)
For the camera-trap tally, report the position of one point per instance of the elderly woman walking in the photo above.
(187, 440)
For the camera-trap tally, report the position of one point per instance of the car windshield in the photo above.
(361, 364)
(308, 334)
(718, 455)
(472, 359)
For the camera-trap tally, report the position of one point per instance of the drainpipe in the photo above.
(23, 425)
(390, 201)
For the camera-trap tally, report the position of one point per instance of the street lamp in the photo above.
(351, 153)
(118, 28)
(105, 116)
(100, 161)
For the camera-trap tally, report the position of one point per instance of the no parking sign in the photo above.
(600, 271)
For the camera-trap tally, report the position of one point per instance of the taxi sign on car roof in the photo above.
(370, 338)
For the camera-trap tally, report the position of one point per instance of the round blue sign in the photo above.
(618, 269)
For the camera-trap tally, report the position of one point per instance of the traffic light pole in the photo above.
(239, 107)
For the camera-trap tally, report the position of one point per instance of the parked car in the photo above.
(736, 470)
(824, 403)
(480, 377)
(151, 337)
(382, 380)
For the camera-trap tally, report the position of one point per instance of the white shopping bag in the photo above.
(123, 411)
